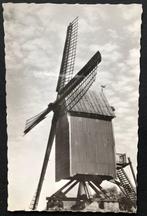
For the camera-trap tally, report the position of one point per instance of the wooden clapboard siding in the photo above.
(62, 148)
(91, 147)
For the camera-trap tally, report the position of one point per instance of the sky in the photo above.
(34, 41)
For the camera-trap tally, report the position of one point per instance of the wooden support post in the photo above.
(71, 186)
(68, 183)
(81, 189)
(132, 170)
(94, 188)
(101, 189)
(122, 190)
(86, 190)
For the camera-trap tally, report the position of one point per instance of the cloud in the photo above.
(131, 13)
(113, 34)
(134, 57)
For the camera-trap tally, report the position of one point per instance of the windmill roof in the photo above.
(94, 103)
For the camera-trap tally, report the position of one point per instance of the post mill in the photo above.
(82, 127)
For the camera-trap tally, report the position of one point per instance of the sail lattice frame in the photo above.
(69, 54)
(76, 95)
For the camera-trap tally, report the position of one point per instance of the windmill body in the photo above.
(84, 140)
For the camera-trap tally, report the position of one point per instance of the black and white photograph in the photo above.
(72, 90)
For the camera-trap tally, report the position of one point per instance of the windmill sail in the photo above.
(30, 123)
(45, 162)
(76, 95)
(85, 76)
(69, 53)
(75, 88)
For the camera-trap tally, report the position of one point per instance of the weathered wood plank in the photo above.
(92, 147)
(62, 148)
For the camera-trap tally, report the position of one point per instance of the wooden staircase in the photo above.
(126, 186)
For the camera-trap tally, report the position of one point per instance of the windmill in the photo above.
(69, 92)
(82, 125)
